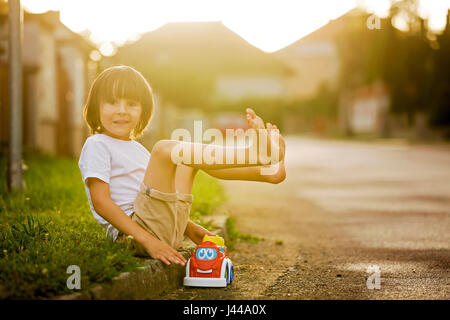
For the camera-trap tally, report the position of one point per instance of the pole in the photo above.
(15, 19)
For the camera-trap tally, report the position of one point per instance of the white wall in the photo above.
(236, 87)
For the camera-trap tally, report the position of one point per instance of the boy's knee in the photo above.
(163, 149)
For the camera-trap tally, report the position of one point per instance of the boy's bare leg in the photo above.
(184, 178)
(161, 171)
(258, 173)
(251, 173)
(185, 175)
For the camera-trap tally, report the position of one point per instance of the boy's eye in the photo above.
(132, 103)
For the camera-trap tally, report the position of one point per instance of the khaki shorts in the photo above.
(163, 215)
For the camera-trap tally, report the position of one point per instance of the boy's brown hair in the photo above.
(119, 82)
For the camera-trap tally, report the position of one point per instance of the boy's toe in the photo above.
(251, 113)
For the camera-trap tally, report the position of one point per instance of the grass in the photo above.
(49, 227)
(234, 236)
(208, 195)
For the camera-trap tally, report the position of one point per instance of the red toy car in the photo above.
(209, 265)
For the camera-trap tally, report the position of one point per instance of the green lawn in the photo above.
(50, 227)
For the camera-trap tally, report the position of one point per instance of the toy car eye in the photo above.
(201, 254)
(210, 254)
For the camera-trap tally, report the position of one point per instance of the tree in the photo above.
(404, 59)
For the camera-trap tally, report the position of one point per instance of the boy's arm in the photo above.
(196, 232)
(104, 206)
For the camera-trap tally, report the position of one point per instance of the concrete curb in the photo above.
(150, 280)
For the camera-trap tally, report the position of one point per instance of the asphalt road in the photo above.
(344, 207)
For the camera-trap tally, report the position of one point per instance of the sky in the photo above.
(267, 24)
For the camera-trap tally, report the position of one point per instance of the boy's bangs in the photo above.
(125, 86)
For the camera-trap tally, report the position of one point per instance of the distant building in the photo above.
(209, 49)
(240, 86)
(365, 110)
(56, 74)
(314, 58)
(194, 64)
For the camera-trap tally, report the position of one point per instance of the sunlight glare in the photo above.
(266, 24)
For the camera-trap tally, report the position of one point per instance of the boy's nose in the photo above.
(122, 107)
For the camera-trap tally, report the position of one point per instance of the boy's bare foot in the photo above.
(254, 121)
(280, 141)
(275, 141)
(280, 174)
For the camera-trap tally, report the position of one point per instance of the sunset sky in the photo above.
(267, 24)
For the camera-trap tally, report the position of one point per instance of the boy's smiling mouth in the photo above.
(121, 122)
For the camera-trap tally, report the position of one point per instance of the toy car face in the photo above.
(206, 260)
(209, 266)
(206, 254)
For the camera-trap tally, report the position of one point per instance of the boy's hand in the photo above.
(159, 250)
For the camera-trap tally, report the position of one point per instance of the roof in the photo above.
(325, 33)
(51, 20)
(201, 46)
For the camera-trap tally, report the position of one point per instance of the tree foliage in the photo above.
(413, 62)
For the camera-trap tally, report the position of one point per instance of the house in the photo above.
(193, 65)
(365, 110)
(57, 71)
(207, 49)
(314, 58)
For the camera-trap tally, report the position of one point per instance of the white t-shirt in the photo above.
(119, 163)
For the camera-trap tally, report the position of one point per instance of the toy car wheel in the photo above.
(231, 273)
(227, 274)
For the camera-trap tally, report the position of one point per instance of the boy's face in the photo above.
(120, 117)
